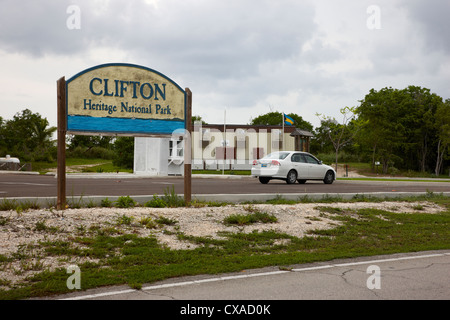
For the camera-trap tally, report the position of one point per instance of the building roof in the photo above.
(257, 128)
(300, 132)
(287, 129)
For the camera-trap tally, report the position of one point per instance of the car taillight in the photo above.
(276, 163)
(255, 162)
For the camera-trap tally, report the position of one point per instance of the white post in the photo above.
(224, 139)
(282, 134)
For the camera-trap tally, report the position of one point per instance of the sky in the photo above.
(247, 57)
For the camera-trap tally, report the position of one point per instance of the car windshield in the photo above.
(277, 155)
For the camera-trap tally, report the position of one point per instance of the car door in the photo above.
(299, 164)
(315, 168)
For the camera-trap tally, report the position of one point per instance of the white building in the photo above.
(158, 156)
(216, 147)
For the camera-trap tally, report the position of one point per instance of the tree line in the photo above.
(399, 129)
(29, 137)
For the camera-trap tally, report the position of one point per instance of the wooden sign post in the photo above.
(61, 171)
(188, 149)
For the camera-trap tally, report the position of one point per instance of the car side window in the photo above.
(296, 157)
(310, 159)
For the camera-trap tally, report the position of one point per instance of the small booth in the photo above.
(302, 139)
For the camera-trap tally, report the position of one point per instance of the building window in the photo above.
(176, 149)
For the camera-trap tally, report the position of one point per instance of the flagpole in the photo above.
(224, 139)
(282, 136)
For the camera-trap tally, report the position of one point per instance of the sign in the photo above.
(124, 99)
(121, 99)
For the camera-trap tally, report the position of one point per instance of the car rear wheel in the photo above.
(329, 177)
(291, 177)
(264, 180)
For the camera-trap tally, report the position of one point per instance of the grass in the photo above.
(241, 219)
(116, 257)
(254, 216)
(170, 199)
(125, 202)
(95, 165)
(366, 170)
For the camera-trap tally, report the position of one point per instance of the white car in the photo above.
(292, 166)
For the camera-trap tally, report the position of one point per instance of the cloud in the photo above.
(249, 56)
(222, 37)
(432, 18)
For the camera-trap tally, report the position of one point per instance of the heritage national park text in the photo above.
(127, 89)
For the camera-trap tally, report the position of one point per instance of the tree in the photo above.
(276, 119)
(443, 127)
(340, 134)
(90, 141)
(124, 152)
(401, 127)
(81, 146)
(198, 118)
(382, 132)
(29, 137)
(420, 118)
(2, 138)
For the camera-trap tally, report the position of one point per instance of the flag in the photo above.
(288, 120)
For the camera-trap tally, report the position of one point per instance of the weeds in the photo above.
(8, 204)
(258, 216)
(151, 223)
(124, 220)
(166, 221)
(19, 207)
(148, 223)
(42, 227)
(156, 202)
(106, 203)
(4, 221)
(170, 200)
(246, 219)
(125, 202)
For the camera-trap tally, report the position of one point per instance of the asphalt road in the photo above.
(14, 185)
(406, 276)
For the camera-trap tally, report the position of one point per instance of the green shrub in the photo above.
(91, 153)
(172, 199)
(106, 203)
(124, 220)
(156, 202)
(125, 202)
(148, 222)
(169, 199)
(166, 221)
(242, 219)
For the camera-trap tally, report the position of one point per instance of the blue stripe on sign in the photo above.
(122, 125)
